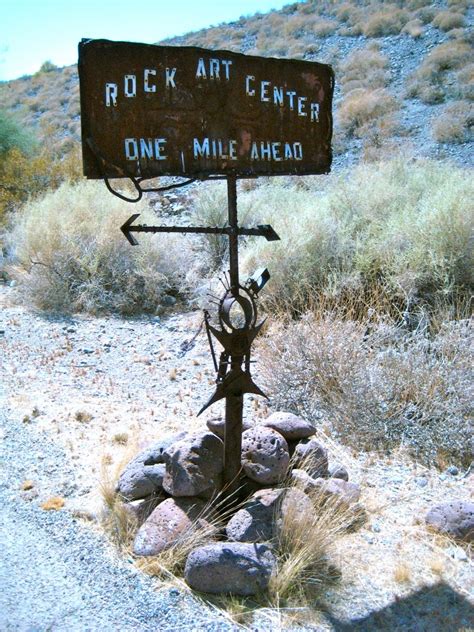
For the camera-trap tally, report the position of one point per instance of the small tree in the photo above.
(47, 66)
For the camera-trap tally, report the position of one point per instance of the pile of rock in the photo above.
(169, 486)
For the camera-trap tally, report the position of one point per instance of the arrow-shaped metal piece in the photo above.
(262, 230)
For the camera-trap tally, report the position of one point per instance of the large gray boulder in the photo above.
(311, 456)
(336, 488)
(255, 522)
(349, 493)
(259, 518)
(265, 455)
(230, 567)
(194, 466)
(290, 426)
(143, 476)
(173, 518)
(455, 519)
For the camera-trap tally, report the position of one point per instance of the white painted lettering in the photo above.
(201, 69)
(301, 106)
(130, 85)
(146, 80)
(170, 74)
(298, 151)
(146, 148)
(111, 94)
(131, 149)
(288, 152)
(254, 152)
(314, 111)
(222, 153)
(214, 67)
(278, 96)
(159, 148)
(227, 64)
(264, 91)
(201, 149)
(250, 91)
(232, 149)
(276, 152)
(265, 150)
(291, 94)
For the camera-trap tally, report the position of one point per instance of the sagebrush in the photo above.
(68, 254)
(376, 385)
(399, 231)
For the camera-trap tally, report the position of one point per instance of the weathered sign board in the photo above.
(161, 110)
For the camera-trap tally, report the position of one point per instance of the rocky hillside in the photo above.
(404, 73)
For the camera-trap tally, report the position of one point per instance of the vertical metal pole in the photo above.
(233, 403)
(233, 237)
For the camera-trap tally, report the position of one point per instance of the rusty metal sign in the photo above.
(149, 110)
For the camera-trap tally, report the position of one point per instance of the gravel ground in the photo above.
(57, 574)
(83, 391)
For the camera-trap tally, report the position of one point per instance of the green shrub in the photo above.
(14, 136)
(398, 230)
(47, 66)
(70, 254)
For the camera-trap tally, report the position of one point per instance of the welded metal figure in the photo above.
(238, 329)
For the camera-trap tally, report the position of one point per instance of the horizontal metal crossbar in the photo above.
(263, 230)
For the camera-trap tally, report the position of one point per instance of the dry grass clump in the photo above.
(55, 503)
(117, 520)
(70, 254)
(374, 384)
(414, 28)
(364, 68)
(363, 110)
(437, 78)
(398, 231)
(305, 537)
(323, 28)
(447, 20)
(454, 124)
(388, 21)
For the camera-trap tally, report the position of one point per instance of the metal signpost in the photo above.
(149, 111)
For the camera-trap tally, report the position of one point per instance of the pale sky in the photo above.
(33, 31)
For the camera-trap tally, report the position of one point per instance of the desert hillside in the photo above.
(404, 74)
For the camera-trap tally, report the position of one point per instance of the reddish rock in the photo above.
(255, 522)
(290, 426)
(454, 519)
(143, 476)
(265, 455)
(170, 520)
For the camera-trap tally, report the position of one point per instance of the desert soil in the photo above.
(82, 395)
